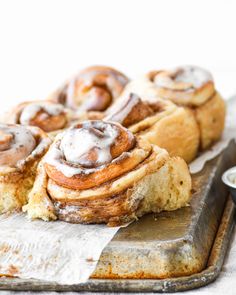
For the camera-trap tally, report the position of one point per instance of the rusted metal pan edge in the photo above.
(197, 280)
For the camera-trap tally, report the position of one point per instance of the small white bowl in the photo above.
(229, 178)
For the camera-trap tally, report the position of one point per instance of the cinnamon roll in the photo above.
(193, 88)
(99, 172)
(93, 89)
(156, 120)
(21, 148)
(49, 116)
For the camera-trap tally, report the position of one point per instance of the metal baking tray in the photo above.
(167, 252)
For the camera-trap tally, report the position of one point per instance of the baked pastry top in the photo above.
(99, 172)
(92, 89)
(194, 87)
(116, 169)
(158, 121)
(190, 87)
(21, 148)
(47, 115)
(185, 85)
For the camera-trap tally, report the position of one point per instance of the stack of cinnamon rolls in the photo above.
(104, 149)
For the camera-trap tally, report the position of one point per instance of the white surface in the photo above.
(44, 42)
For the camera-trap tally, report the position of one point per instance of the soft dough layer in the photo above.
(15, 188)
(92, 89)
(170, 127)
(177, 132)
(192, 87)
(16, 180)
(51, 117)
(161, 183)
(168, 188)
(211, 120)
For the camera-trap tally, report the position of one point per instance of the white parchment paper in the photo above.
(68, 253)
(228, 135)
(52, 251)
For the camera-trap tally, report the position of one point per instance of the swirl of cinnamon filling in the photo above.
(188, 85)
(18, 144)
(93, 89)
(131, 109)
(92, 153)
(46, 115)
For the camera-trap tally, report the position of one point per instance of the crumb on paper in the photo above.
(90, 259)
(12, 270)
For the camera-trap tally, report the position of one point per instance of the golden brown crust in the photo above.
(47, 115)
(92, 89)
(119, 199)
(168, 126)
(202, 98)
(39, 203)
(125, 154)
(188, 99)
(49, 124)
(113, 210)
(42, 144)
(211, 120)
(157, 180)
(188, 91)
(178, 133)
(17, 180)
(129, 111)
(189, 87)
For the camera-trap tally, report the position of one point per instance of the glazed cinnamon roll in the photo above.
(21, 148)
(99, 172)
(49, 116)
(158, 121)
(93, 89)
(193, 88)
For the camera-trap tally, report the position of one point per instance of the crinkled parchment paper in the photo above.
(228, 135)
(68, 253)
(52, 251)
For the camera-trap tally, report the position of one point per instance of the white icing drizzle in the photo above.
(55, 158)
(74, 145)
(89, 102)
(21, 144)
(122, 108)
(31, 110)
(193, 75)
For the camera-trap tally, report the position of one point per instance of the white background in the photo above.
(44, 42)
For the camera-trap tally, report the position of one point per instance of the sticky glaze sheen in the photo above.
(31, 110)
(196, 77)
(17, 143)
(77, 143)
(119, 111)
(89, 147)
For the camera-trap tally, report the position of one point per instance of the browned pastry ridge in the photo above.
(21, 149)
(193, 88)
(47, 115)
(99, 172)
(93, 89)
(156, 120)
